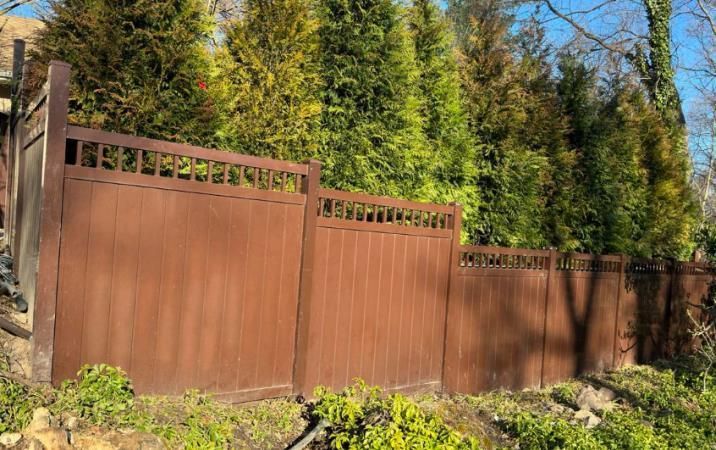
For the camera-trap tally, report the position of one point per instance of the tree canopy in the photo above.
(544, 148)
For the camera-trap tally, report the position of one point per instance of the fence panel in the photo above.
(26, 200)
(380, 279)
(644, 308)
(496, 319)
(581, 316)
(180, 265)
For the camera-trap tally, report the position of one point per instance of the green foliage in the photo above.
(373, 139)
(539, 432)
(523, 166)
(266, 84)
(660, 407)
(360, 419)
(706, 240)
(404, 100)
(138, 65)
(102, 395)
(16, 405)
(444, 119)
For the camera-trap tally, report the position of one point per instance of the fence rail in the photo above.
(241, 276)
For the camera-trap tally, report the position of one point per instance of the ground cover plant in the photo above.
(669, 404)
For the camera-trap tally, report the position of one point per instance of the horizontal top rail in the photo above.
(132, 154)
(485, 257)
(643, 265)
(172, 148)
(358, 197)
(339, 207)
(503, 250)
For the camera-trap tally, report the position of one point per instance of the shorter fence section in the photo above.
(379, 290)
(526, 318)
(496, 319)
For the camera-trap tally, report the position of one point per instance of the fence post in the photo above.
(45, 303)
(669, 309)
(310, 189)
(18, 62)
(549, 293)
(620, 289)
(456, 226)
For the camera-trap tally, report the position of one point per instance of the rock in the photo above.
(136, 440)
(87, 442)
(556, 408)
(71, 423)
(115, 440)
(607, 394)
(41, 419)
(52, 438)
(9, 439)
(591, 400)
(587, 418)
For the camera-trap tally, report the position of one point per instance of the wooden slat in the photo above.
(383, 201)
(328, 222)
(134, 179)
(107, 138)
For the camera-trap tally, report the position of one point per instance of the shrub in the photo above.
(361, 419)
(102, 395)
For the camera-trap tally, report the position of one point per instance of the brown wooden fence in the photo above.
(195, 268)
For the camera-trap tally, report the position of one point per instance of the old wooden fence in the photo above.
(195, 268)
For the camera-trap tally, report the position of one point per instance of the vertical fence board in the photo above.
(149, 272)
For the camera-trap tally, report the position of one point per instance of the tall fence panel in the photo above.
(496, 319)
(380, 280)
(180, 265)
(581, 316)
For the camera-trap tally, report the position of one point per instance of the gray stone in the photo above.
(71, 423)
(588, 419)
(591, 400)
(607, 394)
(52, 438)
(41, 419)
(9, 439)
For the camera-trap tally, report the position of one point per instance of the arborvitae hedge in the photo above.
(452, 147)
(395, 99)
(267, 83)
(372, 136)
(139, 66)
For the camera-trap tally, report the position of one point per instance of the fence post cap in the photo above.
(313, 162)
(57, 63)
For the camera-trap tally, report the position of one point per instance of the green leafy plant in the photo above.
(16, 405)
(360, 418)
(102, 395)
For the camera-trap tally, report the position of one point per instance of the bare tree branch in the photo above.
(586, 33)
(707, 16)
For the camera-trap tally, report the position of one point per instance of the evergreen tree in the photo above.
(138, 66)
(511, 163)
(633, 189)
(267, 81)
(372, 129)
(612, 191)
(445, 121)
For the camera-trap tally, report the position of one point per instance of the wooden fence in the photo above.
(240, 276)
